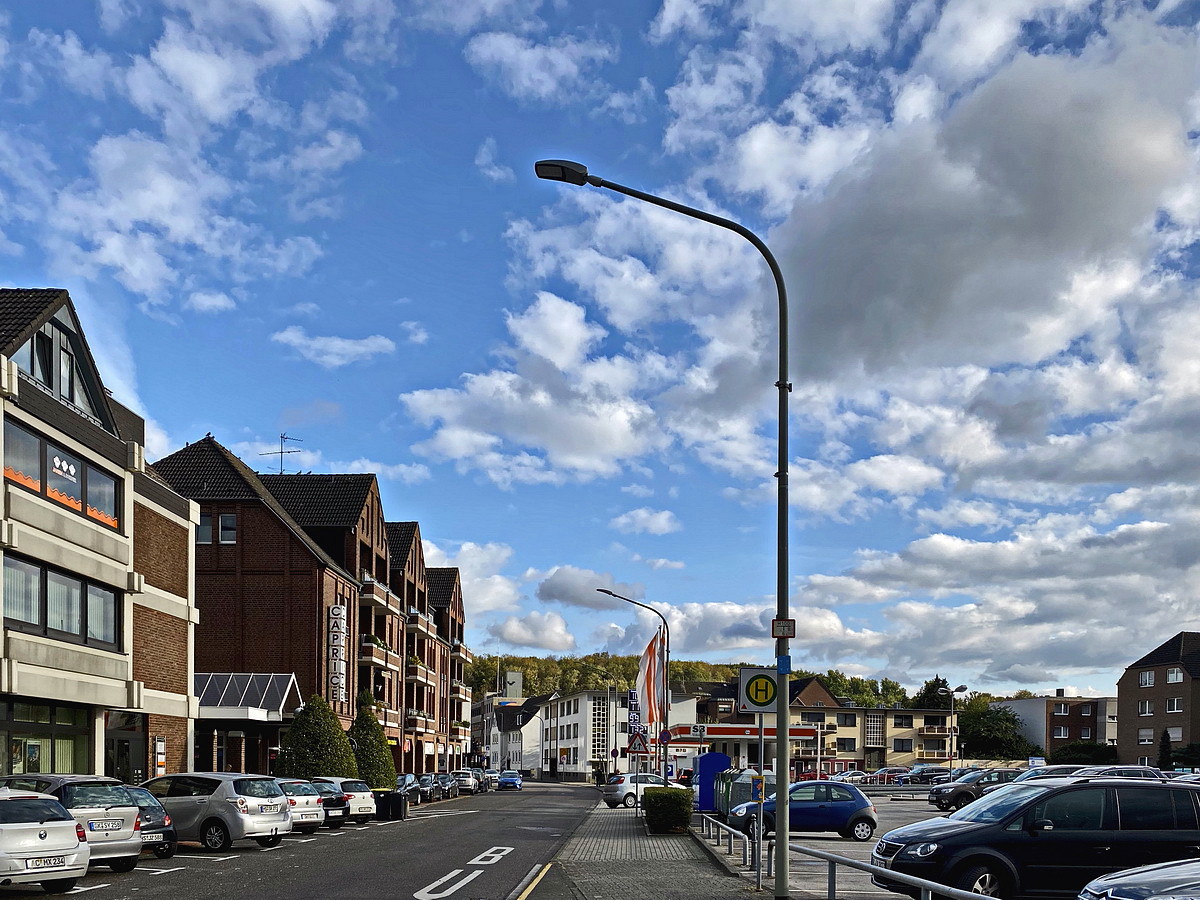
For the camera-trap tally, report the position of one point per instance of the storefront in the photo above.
(45, 737)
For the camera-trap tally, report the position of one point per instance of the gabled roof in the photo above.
(244, 695)
(401, 537)
(440, 583)
(1184, 649)
(206, 471)
(321, 501)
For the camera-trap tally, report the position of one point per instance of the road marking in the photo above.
(94, 887)
(491, 856)
(428, 892)
(278, 846)
(214, 858)
(300, 840)
(526, 887)
(159, 871)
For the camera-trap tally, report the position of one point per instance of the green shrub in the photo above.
(316, 745)
(371, 750)
(1086, 752)
(668, 810)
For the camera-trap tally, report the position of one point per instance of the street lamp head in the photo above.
(960, 689)
(561, 170)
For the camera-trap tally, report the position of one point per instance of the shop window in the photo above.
(31, 712)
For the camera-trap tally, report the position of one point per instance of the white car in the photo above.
(626, 789)
(853, 776)
(466, 780)
(308, 813)
(362, 801)
(40, 842)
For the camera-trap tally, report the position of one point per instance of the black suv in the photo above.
(1048, 836)
(959, 793)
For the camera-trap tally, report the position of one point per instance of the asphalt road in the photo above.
(469, 848)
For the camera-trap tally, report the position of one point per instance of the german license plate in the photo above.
(151, 838)
(106, 824)
(308, 815)
(269, 808)
(335, 812)
(45, 862)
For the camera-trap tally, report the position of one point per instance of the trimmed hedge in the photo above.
(668, 810)
(371, 750)
(316, 745)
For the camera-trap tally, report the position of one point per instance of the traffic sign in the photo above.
(756, 788)
(783, 628)
(664, 736)
(614, 753)
(758, 689)
(637, 744)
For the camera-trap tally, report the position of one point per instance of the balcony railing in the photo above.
(376, 594)
(459, 649)
(421, 623)
(459, 691)
(419, 672)
(933, 754)
(938, 729)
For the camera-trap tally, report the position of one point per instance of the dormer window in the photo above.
(50, 358)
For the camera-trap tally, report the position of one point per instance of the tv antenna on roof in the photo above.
(281, 452)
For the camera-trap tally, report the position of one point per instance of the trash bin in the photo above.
(389, 805)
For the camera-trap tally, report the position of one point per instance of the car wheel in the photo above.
(165, 851)
(267, 842)
(59, 885)
(983, 879)
(861, 830)
(629, 802)
(124, 864)
(962, 801)
(942, 806)
(215, 836)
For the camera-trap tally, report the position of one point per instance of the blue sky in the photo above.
(321, 218)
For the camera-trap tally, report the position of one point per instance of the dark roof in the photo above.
(1184, 648)
(23, 311)
(321, 501)
(440, 583)
(401, 537)
(207, 471)
(276, 692)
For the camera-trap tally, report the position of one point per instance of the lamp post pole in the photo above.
(576, 173)
(953, 722)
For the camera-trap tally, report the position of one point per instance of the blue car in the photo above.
(814, 806)
(509, 781)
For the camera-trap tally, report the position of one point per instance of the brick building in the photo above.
(1054, 722)
(99, 617)
(1161, 691)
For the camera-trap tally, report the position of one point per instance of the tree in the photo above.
(929, 698)
(371, 750)
(1086, 752)
(316, 745)
(1188, 756)
(1165, 761)
(994, 733)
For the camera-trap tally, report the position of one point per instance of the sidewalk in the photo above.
(611, 857)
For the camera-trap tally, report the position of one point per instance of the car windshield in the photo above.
(257, 787)
(299, 789)
(509, 774)
(32, 809)
(999, 803)
(426, 779)
(83, 795)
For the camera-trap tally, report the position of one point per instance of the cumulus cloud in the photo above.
(485, 161)
(644, 520)
(333, 352)
(540, 631)
(484, 588)
(549, 72)
(405, 473)
(573, 586)
(210, 302)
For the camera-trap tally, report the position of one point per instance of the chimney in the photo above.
(1060, 692)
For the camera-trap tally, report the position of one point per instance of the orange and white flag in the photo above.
(650, 683)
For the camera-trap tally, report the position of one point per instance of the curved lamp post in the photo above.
(951, 692)
(576, 173)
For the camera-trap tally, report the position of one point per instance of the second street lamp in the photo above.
(569, 172)
(953, 723)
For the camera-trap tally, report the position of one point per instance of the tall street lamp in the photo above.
(576, 173)
(951, 692)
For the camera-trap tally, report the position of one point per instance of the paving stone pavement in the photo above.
(611, 857)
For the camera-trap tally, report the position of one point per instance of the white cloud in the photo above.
(644, 520)
(333, 352)
(210, 302)
(415, 332)
(895, 474)
(555, 330)
(542, 631)
(555, 71)
(405, 473)
(485, 161)
(479, 566)
(573, 586)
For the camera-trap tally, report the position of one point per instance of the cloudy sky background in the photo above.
(321, 218)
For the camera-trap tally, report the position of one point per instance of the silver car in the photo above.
(107, 811)
(308, 813)
(218, 808)
(40, 842)
(362, 799)
(625, 789)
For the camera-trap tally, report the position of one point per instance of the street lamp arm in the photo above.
(637, 603)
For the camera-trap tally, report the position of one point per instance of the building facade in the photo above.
(99, 614)
(1157, 693)
(1054, 722)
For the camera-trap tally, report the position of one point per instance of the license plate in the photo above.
(882, 863)
(106, 825)
(270, 808)
(308, 815)
(364, 809)
(151, 838)
(46, 862)
(335, 812)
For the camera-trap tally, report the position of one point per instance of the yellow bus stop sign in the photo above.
(759, 688)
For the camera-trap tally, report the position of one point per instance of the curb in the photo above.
(714, 854)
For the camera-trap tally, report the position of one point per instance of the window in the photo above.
(1142, 809)
(22, 457)
(1145, 736)
(1085, 734)
(1061, 731)
(902, 721)
(846, 745)
(1174, 675)
(1073, 810)
(1060, 709)
(101, 497)
(52, 472)
(934, 745)
(204, 529)
(935, 721)
(811, 718)
(847, 719)
(47, 602)
(1174, 704)
(1086, 709)
(902, 745)
(1145, 707)
(64, 481)
(1143, 760)
(227, 528)
(1175, 734)
(1146, 679)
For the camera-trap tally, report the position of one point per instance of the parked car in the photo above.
(410, 786)
(431, 788)
(449, 785)
(1123, 772)
(493, 777)
(922, 774)
(1046, 836)
(1038, 772)
(308, 812)
(812, 806)
(956, 773)
(466, 781)
(218, 808)
(107, 811)
(958, 794)
(686, 777)
(40, 842)
(335, 803)
(850, 776)
(886, 775)
(625, 788)
(510, 780)
(1173, 879)
(362, 800)
(158, 834)
(481, 779)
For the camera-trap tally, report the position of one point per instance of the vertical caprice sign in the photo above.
(337, 654)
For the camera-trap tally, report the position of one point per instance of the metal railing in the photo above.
(713, 828)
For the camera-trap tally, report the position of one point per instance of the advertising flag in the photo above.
(650, 682)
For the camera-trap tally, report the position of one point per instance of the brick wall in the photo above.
(175, 730)
(160, 551)
(160, 645)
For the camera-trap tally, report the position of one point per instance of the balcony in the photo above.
(937, 729)
(419, 721)
(421, 624)
(374, 652)
(376, 595)
(459, 691)
(419, 673)
(391, 719)
(459, 650)
(460, 732)
(933, 754)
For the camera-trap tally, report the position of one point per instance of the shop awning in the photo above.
(249, 696)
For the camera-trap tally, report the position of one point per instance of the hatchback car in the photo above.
(850, 776)
(334, 803)
(40, 842)
(466, 781)
(410, 787)
(492, 776)
(107, 811)
(886, 775)
(625, 788)
(812, 806)
(1046, 836)
(158, 834)
(481, 780)
(449, 785)
(431, 788)
(362, 800)
(510, 780)
(218, 808)
(308, 813)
